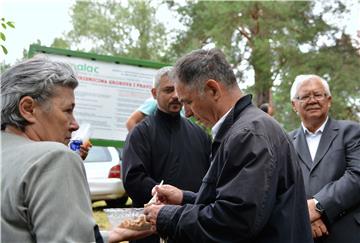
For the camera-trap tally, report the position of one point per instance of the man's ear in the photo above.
(293, 106)
(330, 101)
(154, 93)
(212, 87)
(27, 108)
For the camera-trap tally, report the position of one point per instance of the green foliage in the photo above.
(5, 24)
(3, 66)
(112, 28)
(277, 40)
(25, 52)
(61, 43)
(269, 38)
(339, 65)
(262, 34)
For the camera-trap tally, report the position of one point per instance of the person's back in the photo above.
(275, 205)
(44, 193)
(283, 193)
(29, 179)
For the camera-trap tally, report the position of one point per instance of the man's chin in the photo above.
(315, 116)
(175, 108)
(314, 113)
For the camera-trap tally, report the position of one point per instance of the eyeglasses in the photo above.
(306, 98)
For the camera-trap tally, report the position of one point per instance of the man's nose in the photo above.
(74, 125)
(174, 96)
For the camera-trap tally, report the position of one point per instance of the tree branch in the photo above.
(246, 35)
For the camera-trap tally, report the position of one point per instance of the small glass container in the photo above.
(117, 215)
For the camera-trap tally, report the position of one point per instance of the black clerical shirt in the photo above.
(164, 147)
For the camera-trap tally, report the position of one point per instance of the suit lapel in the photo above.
(330, 132)
(302, 147)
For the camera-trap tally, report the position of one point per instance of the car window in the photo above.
(98, 154)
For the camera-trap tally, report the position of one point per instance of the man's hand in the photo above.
(151, 212)
(318, 228)
(167, 194)
(121, 234)
(313, 214)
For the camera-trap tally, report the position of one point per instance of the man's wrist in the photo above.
(316, 201)
(318, 207)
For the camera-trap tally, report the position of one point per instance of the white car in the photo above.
(103, 171)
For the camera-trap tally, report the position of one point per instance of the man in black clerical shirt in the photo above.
(164, 146)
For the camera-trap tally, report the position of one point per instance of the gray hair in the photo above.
(195, 68)
(160, 73)
(36, 77)
(300, 79)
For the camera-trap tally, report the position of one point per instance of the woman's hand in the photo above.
(84, 149)
(121, 234)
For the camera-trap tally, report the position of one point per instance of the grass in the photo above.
(100, 216)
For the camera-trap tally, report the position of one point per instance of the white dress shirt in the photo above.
(216, 127)
(313, 139)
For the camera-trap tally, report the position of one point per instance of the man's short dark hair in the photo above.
(264, 107)
(200, 65)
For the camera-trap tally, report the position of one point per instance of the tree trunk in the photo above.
(261, 62)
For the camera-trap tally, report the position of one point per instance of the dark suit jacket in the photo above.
(334, 177)
(253, 191)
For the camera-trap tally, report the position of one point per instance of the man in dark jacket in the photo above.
(329, 156)
(253, 190)
(164, 146)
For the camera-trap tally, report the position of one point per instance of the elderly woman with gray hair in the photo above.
(44, 193)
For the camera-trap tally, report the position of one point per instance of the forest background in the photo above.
(268, 43)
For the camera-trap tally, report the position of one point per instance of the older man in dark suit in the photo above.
(329, 156)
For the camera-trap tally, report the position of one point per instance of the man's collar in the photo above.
(231, 116)
(229, 120)
(217, 125)
(167, 116)
(320, 129)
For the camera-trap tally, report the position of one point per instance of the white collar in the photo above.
(216, 127)
(320, 129)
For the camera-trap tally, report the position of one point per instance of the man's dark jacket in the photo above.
(164, 147)
(334, 177)
(253, 191)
